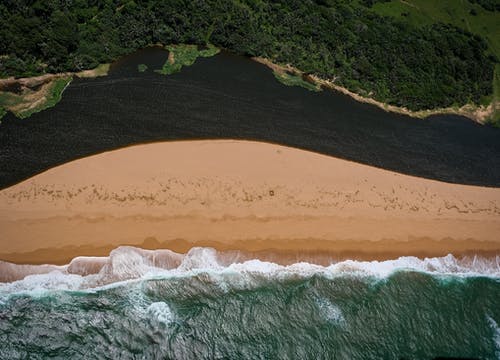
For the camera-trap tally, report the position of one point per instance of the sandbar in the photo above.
(245, 196)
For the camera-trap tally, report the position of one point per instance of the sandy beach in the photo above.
(240, 195)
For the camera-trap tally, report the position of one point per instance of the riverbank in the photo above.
(31, 96)
(478, 113)
(245, 196)
(26, 96)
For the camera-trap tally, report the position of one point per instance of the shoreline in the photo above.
(214, 193)
(478, 113)
(38, 93)
(100, 70)
(282, 252)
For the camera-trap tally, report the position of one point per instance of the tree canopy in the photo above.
(420, 68)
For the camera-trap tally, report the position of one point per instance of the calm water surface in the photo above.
(229, 96)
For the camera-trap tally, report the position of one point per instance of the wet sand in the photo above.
(240, 195)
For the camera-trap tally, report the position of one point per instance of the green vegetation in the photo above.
(491, 5)
(184, 55)
(471, 16)
(295, 80)
(53, 96)
(9, 101)
(3, 112)
(29, 102)
(142, 67)
(420, 54)
(495, 119)
(100, 70)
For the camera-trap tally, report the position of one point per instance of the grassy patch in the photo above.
(495, 119)
(295, 80)
(53, 96)
(460, 13)
(209, 51)
(142, 67)
(9, 100)
(3, 112)
(100, 70)
(184, 55)
(30, 102)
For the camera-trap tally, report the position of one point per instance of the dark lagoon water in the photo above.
(229, 96)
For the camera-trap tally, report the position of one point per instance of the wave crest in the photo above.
(127, 263)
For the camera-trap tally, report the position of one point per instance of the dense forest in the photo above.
(421, 68)
(490, 5)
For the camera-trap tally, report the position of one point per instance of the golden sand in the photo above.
(240, 195)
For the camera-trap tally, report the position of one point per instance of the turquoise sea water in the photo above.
(161, 305)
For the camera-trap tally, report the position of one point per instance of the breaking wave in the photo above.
(160, 313)
(207, 304)
(496, 334)
(127, 263)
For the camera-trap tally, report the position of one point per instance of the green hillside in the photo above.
(415, 54)
(467, 15)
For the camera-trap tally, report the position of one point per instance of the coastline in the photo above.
(282, 252)
(214, 193)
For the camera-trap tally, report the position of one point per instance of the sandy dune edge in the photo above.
(240, 195)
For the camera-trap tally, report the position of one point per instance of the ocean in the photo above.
(145, 304)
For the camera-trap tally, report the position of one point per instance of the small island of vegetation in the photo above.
(142, 67)
(184, 55)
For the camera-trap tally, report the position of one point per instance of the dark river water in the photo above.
(228, 96)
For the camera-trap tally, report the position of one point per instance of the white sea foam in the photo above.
(160, 312)
(85, 265)
(129, 263)
(39, 283)
(440, 265)
(200, 258)
(496, 335)
(330, 312)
